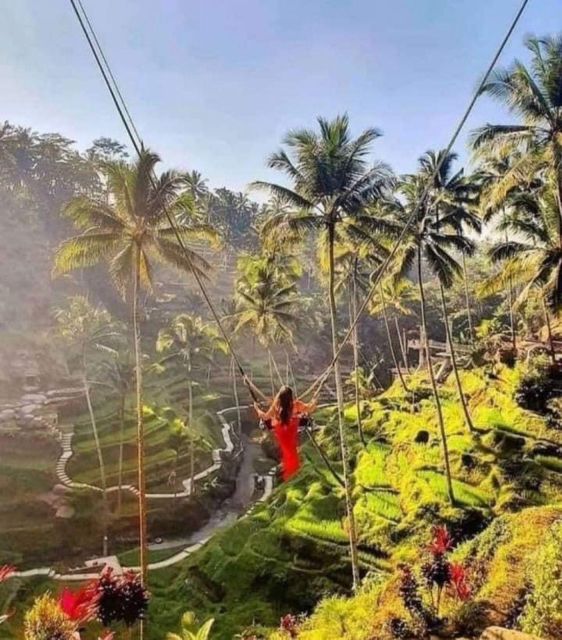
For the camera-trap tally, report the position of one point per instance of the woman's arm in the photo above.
(263, 415)
(306, 407)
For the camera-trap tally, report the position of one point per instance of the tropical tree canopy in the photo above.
(135, 220)
(266, 298)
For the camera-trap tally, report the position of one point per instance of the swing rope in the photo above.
(317, 385)
(126, 118)
(277, 372)
(132, 132)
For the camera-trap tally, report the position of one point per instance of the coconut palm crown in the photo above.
(133, 225)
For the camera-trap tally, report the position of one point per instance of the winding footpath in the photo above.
(241, 499)
(67, 453)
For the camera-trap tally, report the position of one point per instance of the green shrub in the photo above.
(46, 621)
(536, 387)
(543, 612)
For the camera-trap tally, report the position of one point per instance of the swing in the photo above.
(136, 141)
(306, 422)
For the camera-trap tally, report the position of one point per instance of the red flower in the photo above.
(80, 606)
(442, 541)
(6, 571)
(458, 577)
(289, 624)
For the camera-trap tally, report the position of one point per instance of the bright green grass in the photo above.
(434, 485)
(370, 471)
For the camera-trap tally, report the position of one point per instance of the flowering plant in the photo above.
(440, 575)
(290, 624)
(109, 598)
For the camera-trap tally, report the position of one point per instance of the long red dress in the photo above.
(287, 436)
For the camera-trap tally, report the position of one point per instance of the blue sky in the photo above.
(214, 85)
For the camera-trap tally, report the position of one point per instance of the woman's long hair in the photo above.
(284, 404)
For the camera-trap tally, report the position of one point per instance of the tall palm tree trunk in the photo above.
(512, 315)
(549, 331)
(143, 537)
(467, 299)
(511, 303)
(434, 385)
(557, 155)
(339, 395)
(355, 339)
(191, 428)
(175, 472)
(390, 343)
(99, 454)
(121, 447)
(462, 397)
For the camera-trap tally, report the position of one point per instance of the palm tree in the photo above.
(196, 185)
(533, 95)
(331, 182)
(130, 231)
(358, 282)
(399, 296)
(85, 329)
(358, 252)
(354, 261)
(530, 259)
(190, 341)
(431, 237)
(266, 296)
(495, 193)
(452, 198)
(459, 195)
(381, 304)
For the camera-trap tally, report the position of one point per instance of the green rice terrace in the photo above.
(323, 404)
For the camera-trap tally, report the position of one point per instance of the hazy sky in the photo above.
(213, 85)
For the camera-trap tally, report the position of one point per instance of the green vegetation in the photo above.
(427, 502)
(26, 476)
(542, 614)
(286, 554)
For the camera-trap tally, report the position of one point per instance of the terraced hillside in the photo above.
(289, 553)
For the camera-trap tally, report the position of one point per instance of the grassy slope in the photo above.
(498, 474)
(25, 474)
(291, 552)
(271, 562)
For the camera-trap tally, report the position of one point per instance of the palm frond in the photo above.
(284, 194)
(507, 250)
(83, 251)
(493, 135)
(86, 213)
(184, 259)
(121, 267)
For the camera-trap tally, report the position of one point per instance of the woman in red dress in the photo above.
(285, 413)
